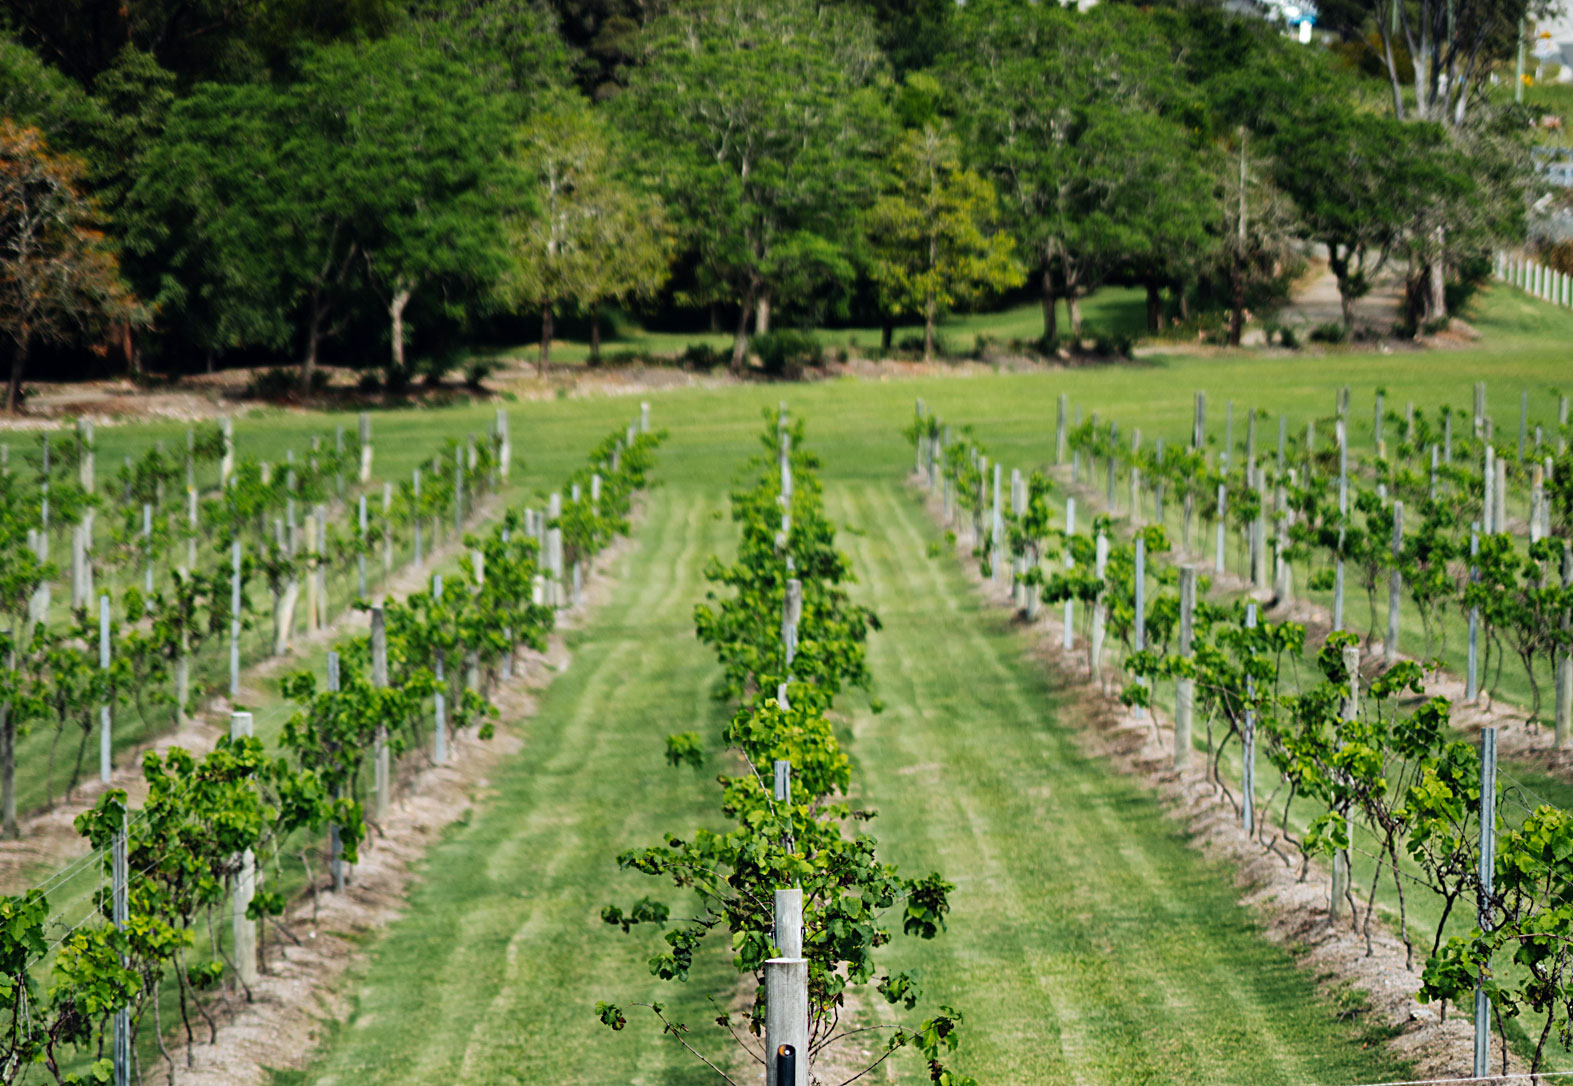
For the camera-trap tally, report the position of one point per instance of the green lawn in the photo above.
(1111, 310)
(1053, 951)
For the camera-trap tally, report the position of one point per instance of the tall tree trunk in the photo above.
(1051, 328)
(1438, 284)
(546, 340)
(1154, 307)
(887, 332)
(1346, 303)
(1073, 308)
(8, 772)
(929, 305)
(762, 315)
(13, 395)
(308, 364)
(1236, 308)
(595, 333)
(740, 340)
(400, 299)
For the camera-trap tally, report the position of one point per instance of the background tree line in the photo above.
(188, 182)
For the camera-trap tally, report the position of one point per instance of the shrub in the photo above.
(1331, 332)
(274, 384)
(701, 356)
(368, 383)
(476, 372)
(1289, 338)
(787, 347)
(1113, 345)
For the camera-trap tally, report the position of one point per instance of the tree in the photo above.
(271, 201)
(57, 273)
(1068, 112)
(757, 124)
(589, 236)
(1259, 228)
(933, 232)
(1345, 172)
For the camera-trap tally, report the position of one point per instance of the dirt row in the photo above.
(1292, 906)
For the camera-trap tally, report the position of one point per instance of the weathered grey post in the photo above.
(504, 444)
(1018, 565)
(1395, 587)
(1376, 428)
(1472, 676)
(786, 1018)
(1068, 635)
(1447, 438)
(644, 418)
(1564, 715)
(791, 615)
(1259, 530)
(360, 556)
(1222, 509)
(1228, 435)
(1343, 512)
(440, 699)
(105, 738)
(226, 464)
(1480, 407)
(284, 611)
(1185, 686)
(1199, 422)
(996, 531)
(335, 843)
(1157, 484)
(314, 549)
(1523, 421)
(1499, 515)
(554, 549)
(1562, 425)
(1250, 436)
(1100, 610)
(245, 929)
(1489, 479)
(1136, 477)
(147, 548)
(1283, 516)
(379, 679)
(1349, 711)
(1109, 485)
(1139, 632)
(1537, 492)
(234, 620)
(1487, 873)
(120, 916)
(1248, 744)
(1059, 432)
(415, 511)
(363, 473)
(387, 530)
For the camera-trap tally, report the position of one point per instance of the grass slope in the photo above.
(502, 955)
(1089, 943)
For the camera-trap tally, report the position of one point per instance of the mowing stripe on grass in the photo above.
(493, 974)
(1089, 942)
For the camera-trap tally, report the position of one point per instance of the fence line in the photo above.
(1529, 275)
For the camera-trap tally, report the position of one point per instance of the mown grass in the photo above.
(502, 955)
(1113, 310)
